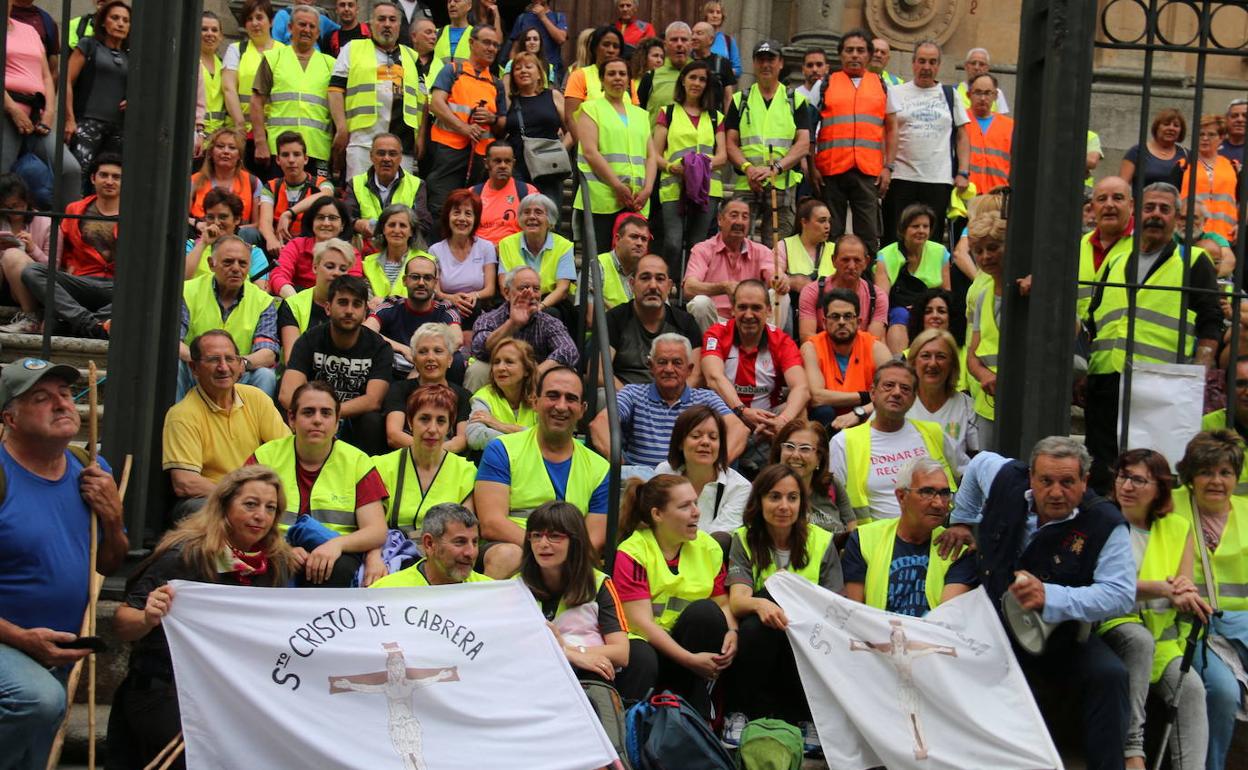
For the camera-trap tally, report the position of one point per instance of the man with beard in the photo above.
(448, 539)
(520, 316)
(634, 325)
(718, 264)
(868, 457)
(385, 183)
(841, 362)
(1158, 318)
(399, 321)
(849, 260)
(355, 361)
(520, 471)
(376, 89)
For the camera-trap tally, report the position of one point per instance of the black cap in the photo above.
(767, 48)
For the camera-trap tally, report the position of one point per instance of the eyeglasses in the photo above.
(215, 360)
(927, 494)
(838, 317)
(983, 93)
(1135, 481)
(327, 218)
(554, 538)
(801, 449)
(421, 278)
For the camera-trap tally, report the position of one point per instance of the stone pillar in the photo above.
(819, 26)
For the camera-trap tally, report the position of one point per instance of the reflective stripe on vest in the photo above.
(1229, 562)
(452, 483)
(818, 540)
(205, 312)
(931, 264)
(530, 481)
(277, 188)
(851, 125)
(332, 499)
(510, 257)
(240, 186)
(370, 205)
(858, 460)
(989, 345)
(214, 100)
(683, 139)
(876, 541)
(442, 48)
(613, 292)
(361, 103)
(1157, 322)
(299, 100)
(248, 62)
(767, 131)
(523, 415)
(1089, 272)
(990, 153)
(623, 146)
(1216, 196)
(701, 559)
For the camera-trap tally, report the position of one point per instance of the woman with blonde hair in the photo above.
(934, 355)
(232, 540)
(505, 404)
(223, 169)
(535, 111)
(987, 235)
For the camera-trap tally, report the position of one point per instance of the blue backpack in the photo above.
(665, 733)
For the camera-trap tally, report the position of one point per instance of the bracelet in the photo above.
(961, 174)
(746, 166)
(733, 631)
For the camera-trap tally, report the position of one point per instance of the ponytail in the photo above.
(642, 498)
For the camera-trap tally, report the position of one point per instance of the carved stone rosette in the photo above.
(905, 23)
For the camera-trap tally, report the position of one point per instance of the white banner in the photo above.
(940, 692)
(1167, 401)
(465, 676)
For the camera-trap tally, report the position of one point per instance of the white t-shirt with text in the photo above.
(923, 130)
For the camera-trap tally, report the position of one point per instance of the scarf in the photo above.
(245, 565)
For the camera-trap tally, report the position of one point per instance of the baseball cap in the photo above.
(22, 375)
(767, 48)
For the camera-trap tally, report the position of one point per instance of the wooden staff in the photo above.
(775, 245)
(168, 754)
(93, 439)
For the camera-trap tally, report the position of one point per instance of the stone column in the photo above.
(819, 26)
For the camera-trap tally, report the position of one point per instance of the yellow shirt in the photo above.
(203, 438)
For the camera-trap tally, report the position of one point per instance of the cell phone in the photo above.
(92, 643)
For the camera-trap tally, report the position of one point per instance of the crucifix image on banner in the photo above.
(398, 683)
(901, 652)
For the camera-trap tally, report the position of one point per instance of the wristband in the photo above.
(890, 167)
(962, 174)
(746, 166)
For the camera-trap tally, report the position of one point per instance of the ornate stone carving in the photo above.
(907, 22)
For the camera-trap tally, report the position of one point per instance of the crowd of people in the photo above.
(803, 290)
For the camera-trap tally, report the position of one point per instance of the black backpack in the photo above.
(665, 733)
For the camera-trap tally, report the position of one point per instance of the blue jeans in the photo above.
(264, 378)
(1221, 690)
(32, 704)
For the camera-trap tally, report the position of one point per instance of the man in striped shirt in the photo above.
(648, 412)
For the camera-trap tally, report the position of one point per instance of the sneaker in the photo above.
(23, 323)
(810, 740)
(734, 724)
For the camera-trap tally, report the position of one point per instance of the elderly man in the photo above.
(1110, 238)
(424, 36)
(768, 134)
(1065, 553)
(751, 364)
(648, 412)
(520, 316)
(850, 261)
(50, 496)
(520, 471)
(1236, 127)
(867, 457)
(841, 362)
(216, 426)
(633, 29)
(855, 134)
(990, 136)
(1158, 318)
(881, 52)
(448, 540)
(718, 264)
(931, 134)
(723, 81)
(657, 88)
(500, 194)
(227, 300)
(634, 325)
(894, 564)
(290, 89)
(977, 63)
(385, 183)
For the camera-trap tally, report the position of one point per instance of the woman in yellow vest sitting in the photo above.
(908, 267)
(1217, 182)
(1149, 639)
(692, 126)
(777, 535)
(424, 474)
(579, 602)
(615, 155)
(397, 240)
(310, 307)
(670, 576)
(335, 486)
(431, 352)
(807, 254)
(987, 234)
(538, 246)
(505, 405)
(1208, 471)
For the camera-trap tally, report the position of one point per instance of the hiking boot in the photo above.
(23, 323)
(810, 740)
(734, 723)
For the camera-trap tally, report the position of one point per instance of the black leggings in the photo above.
(144, 718)
(700, 628)
(763, 681)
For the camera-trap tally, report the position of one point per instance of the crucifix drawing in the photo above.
(901, 652)
(398, 683)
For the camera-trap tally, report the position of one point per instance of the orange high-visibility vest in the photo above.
(1217, 195)
(851, 126)
(469, 89)
(241, 186)
(990, 152)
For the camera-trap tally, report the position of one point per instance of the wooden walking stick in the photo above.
(168, 754)
(775, 243)
(93, 440)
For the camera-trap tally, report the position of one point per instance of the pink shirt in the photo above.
(711, 262)
(808, 304)
(24, 58)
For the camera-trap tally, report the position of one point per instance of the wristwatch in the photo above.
(861, 414)
(739, 410)
(581, 649)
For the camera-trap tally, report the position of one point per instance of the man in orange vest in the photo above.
(990, 135)
(470, 109)
(854, 133)
(840, 363)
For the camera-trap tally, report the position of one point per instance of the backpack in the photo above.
(953, 131)
(770, 744)
(665, 733)
(609, 707)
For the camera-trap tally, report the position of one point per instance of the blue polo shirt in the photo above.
(646, 420)
(566, 268)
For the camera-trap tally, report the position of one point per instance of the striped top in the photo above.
(646, 419)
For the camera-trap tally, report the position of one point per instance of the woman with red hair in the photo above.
(468, 264)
